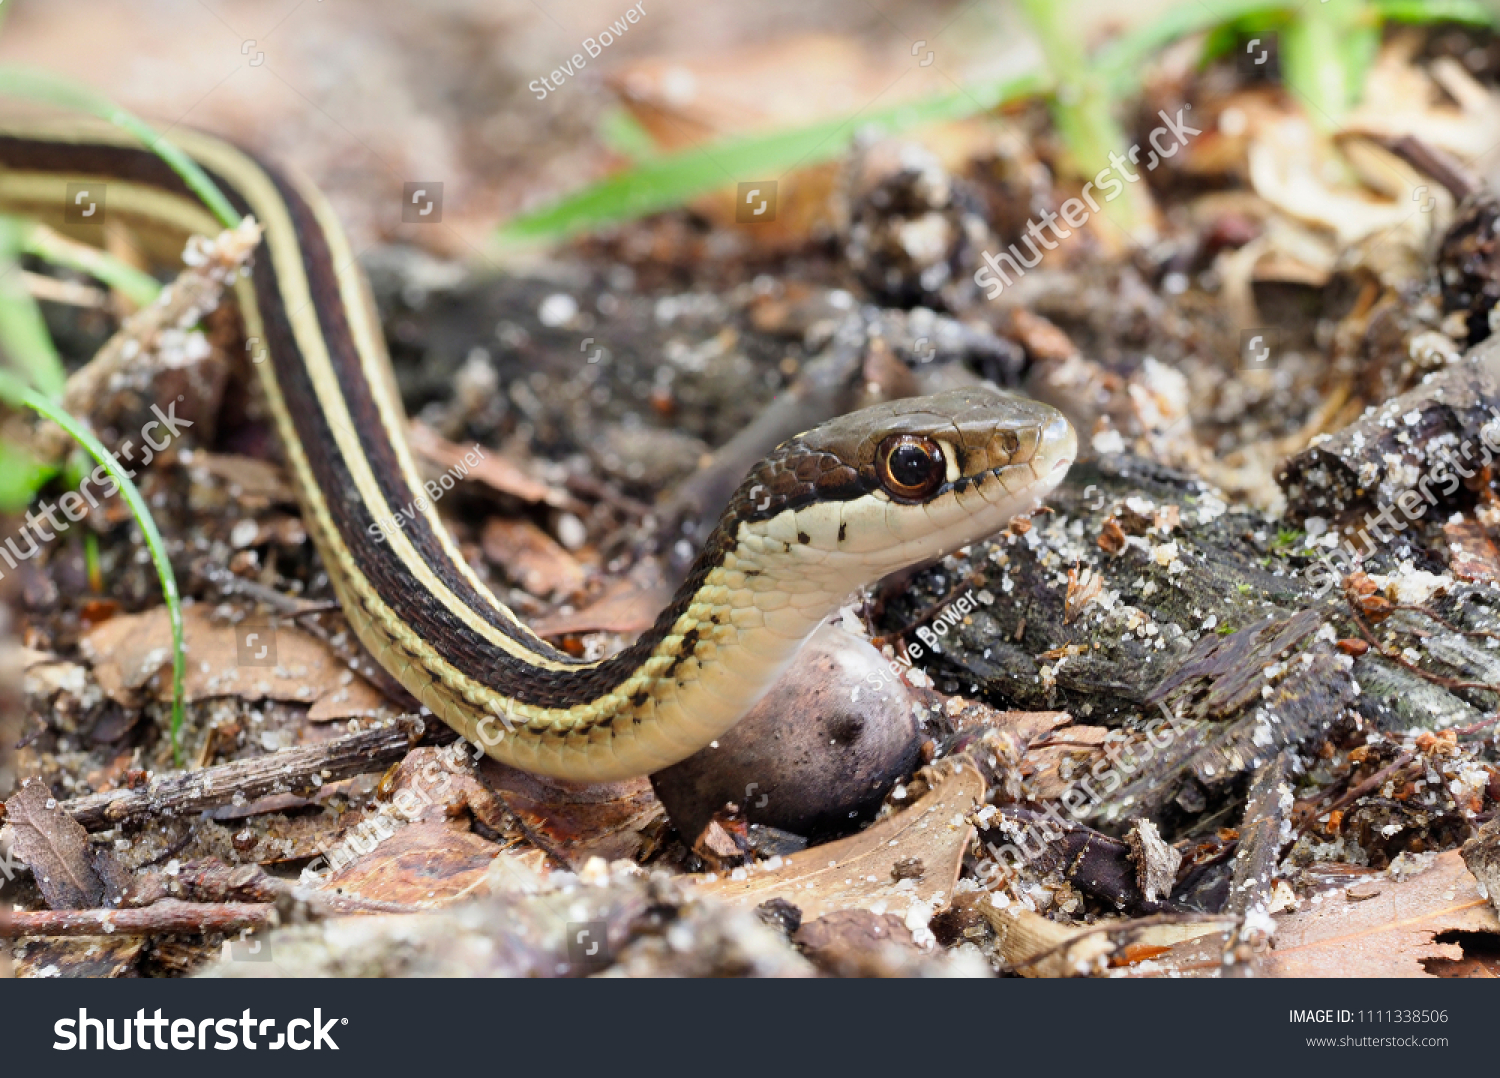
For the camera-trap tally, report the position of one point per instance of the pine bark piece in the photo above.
(1210, 584)
(858, 943)
(1260, 838)
(1155, 861)
(55, 847)
(1373, 461)
(1095, 863)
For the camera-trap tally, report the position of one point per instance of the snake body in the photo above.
(829, 511)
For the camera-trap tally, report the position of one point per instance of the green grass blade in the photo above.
(1423, 11)
(1122, 60)
(1082, 109)
(15, 393)
(140, 288)
(1325, 51)
(40, 86)
(23, 333)
(21, 476)
(623, 134)
(674, 178)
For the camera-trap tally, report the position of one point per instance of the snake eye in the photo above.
(910, 468)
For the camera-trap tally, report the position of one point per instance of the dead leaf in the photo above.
(576, 821)
(1471, 554)
(684, 100)
(492, 469)
(1051, 765)
(443, 784)
(132, 656)
(705, 95)
(254, 484)
(1388, 935)
(855, 872)
(422, 864)
(532, 558)
(625, 607)
(56, 849)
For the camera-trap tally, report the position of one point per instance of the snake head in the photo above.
(901, 483)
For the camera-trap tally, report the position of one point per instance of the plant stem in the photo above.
(140, 288)
(1325, 51)
(1081, 109)
(23, 333)
(40, 86)
(17, 394)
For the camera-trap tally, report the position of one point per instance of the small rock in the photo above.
(781, 915)
(908, 868)
(858, 943)
(815, 757)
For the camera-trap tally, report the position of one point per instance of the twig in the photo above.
(1475, 727)
(229, 584)
(590, 487)
(1444, 622)
(1112, 927)
(1374, 782)
(1428, 159)
(168, 915)
(278, 772)
(1396, 657)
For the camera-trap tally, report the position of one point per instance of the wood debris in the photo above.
(1155, 861)
(855, 872)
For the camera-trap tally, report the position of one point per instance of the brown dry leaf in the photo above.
(254, 484)
(423, 864)
(701, 96)
(705, 96)
(531, 557)
(443, 784)
(1388, 935)
(492, 469)
(1083, 588)
(576, 821)
(1078, 747)
(56, 849)
(1471, 553)
(626, 606)
(855, 872)
(132, 655)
